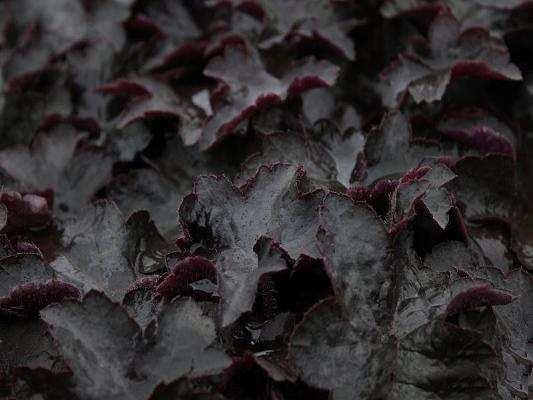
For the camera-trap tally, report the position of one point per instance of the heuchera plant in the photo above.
(266, 199)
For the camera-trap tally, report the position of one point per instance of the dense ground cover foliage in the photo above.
(266, 199)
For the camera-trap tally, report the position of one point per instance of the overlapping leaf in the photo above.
(248, 87)
(390, 150)
(111, 358)
(328, 155)
(356, 250)
(451, 54)
(61, 161)
(273, 204)
(102, 250)
(315, 19)
(153, 99)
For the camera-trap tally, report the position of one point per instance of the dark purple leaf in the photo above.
(161, 188)
(422, 186)
(25, 343)
(487, 189)
(451, 255)
(146, 282)
(515, 316)
(24, 109)
(451, 54)
(314, 20)
(248, 87)
(476, 297)
(61, 161)
(126, 143)
(356, 250)
(441, 359)
(271, 204)
(186, 272)
(319, 104)
(146, 189)
(150, 99)
(111, 358)
(170, 18)
(338, 346)
(493, 241)
(480, 132)
(327, 156)
(20, 269)
(56, 26)
(390, 150)
(24, 211)
(33, 296)
(141, 305)
(514, 321)
(339, 353)
(104, 251)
